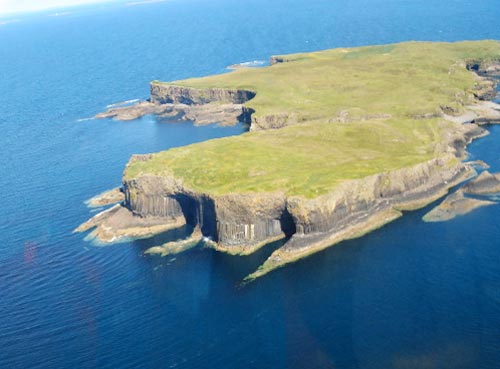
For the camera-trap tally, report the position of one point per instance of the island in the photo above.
(340, 143)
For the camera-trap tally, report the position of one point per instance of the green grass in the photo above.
(401, 81)
(404, 80)
(308, 159)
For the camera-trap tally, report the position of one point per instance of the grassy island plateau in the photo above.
(340, 143)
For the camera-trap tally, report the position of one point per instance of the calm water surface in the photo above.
(411, 295)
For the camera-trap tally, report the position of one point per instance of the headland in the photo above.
(340, 143)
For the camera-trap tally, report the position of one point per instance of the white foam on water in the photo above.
(85, 119)
(123, 103)
(248, 64)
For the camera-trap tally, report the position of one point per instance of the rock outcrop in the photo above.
(276, 59)
(118, 224)
(224, 114)
(485, 183)
(454, 205)
(177, 103)
(489, 68)
(176, 247)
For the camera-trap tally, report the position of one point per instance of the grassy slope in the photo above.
(402, 81)
(306, 159)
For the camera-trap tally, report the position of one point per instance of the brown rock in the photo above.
(485, 183)
(454, 205)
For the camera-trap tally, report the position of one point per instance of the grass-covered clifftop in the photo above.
(352, 113)
(404, 80)
(341, 142)
(307, 159)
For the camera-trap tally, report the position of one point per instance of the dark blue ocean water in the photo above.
(409, 296)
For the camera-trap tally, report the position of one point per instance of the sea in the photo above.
(411, 295)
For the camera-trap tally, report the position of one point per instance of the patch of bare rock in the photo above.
(118, 224)
(486, 183)
(454, 205)
(224, 114)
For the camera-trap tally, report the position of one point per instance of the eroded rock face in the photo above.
(277, 59)
(354, 201)
(488, 68)
(168, 94)
(237, 222)
(149, 196)
(360, 206)
(247, 220)
(240, 223)
(485, 183)
(118, 224)
(176, 103)
(224, 114)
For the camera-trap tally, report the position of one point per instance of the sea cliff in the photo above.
(319, 167)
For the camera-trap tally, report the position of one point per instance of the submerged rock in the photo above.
(176, 247)
(485, 183)
(454, 205)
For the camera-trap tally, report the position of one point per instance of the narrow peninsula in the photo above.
(341, 142)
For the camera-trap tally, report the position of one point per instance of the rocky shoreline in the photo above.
(177, 103)
(454, 205)
(242, 223)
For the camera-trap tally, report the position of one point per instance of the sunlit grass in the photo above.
(384, 90)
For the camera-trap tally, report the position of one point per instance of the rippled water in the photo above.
(411, 295)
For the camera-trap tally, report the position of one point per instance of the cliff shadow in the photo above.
(162, 238)
(287, 223)
(207, 218)
(189, 207)
(236, 267)
(199, 211)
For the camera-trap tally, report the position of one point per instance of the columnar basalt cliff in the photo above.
(241, 220)
(241, 223)
(238, 223)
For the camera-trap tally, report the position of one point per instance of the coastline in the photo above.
(241, 223)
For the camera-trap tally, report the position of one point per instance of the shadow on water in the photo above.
(236, 267)
(162, 238)
(232, 267)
